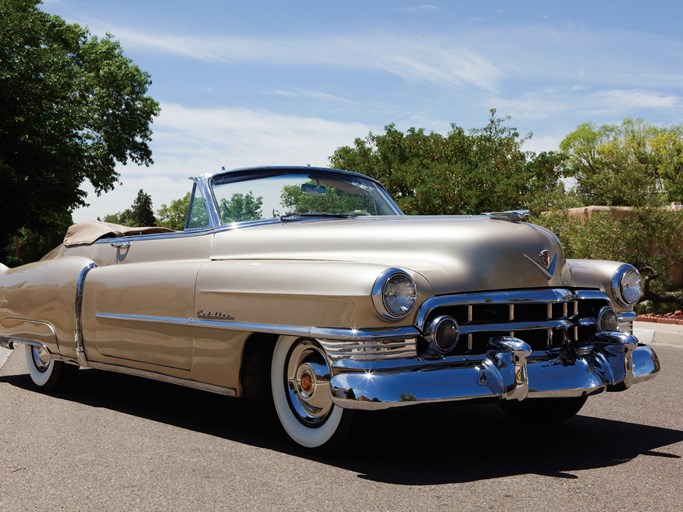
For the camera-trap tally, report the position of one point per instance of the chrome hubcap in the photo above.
(41, 358)
(308, 383)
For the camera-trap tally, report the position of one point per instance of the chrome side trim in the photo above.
(165, 378)
(78, 332)
(289, 330)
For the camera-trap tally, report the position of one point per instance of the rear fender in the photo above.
(38, 302)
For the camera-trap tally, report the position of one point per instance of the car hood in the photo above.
(454, 253)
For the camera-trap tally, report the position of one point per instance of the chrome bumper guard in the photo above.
(508, 371)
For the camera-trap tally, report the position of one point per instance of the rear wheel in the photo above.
(300, 382)
(543, 411)
(45, 372)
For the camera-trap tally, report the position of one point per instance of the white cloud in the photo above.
(191, 141)
(307, 93)
(548, 103)
(422, 7)
(438, 60)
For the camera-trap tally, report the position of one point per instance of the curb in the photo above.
(4, 355)
(658, 333)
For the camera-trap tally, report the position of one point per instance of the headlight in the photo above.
(627, 285)
(394, 294)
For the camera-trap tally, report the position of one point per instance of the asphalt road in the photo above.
(121, 443)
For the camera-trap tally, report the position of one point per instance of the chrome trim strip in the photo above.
(78, 331)
(136, 372)
(314, 332)
(561, 324)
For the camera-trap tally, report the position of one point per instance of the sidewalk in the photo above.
(658, 334)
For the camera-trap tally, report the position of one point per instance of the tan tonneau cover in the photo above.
(89, 231)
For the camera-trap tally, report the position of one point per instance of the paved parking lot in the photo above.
(122, 443)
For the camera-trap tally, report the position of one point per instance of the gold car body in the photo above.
(192, 307)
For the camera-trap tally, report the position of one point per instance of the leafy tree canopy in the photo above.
(174, 214)
(72, 106)
(331, 200)
(633, 163)
(240, 207)
(464, 172)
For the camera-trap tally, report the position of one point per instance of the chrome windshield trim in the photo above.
(540, 296)
(204, 184)
(314, 332)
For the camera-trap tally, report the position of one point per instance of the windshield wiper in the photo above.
(294, 216)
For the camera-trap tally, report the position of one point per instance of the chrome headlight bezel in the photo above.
(384, 294)
(627, 287)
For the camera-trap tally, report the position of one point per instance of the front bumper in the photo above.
(508, 371)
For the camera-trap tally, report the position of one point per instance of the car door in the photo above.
(140, 307)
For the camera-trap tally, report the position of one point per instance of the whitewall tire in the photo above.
(300, 375)
(45, 372)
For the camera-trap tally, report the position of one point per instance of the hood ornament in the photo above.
(546, 265)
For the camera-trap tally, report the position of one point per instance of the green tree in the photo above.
(71, 106)
(174, 214)
(140, 213)
(26, 245)
(141, 210)
(332, 200)
(633, 163)
(123, 218)
(240, 207)
(464, 172)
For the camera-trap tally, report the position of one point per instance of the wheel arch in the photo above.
(257, 355)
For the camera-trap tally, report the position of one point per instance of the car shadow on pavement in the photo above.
(424, 445)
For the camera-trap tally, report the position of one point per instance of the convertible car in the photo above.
(310, 285)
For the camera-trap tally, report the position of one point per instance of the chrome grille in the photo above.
(369, 350)
(543, 318)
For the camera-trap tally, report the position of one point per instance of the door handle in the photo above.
(121, 245)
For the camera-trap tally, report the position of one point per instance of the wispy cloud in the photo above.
(421, 7)
(192, 141)
(307, 93)
(414, 59)
(548, 103)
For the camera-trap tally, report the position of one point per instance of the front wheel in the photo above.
(300, 382)
(45, 372)
(543, 411)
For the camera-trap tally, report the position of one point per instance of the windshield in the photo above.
(261, 195)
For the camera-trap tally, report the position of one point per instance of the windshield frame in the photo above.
(206, 183)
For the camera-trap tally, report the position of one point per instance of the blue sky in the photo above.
(287, 82)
